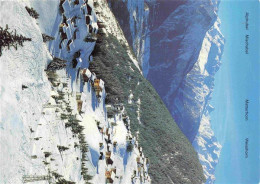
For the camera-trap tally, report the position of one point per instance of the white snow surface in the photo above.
(20, 109)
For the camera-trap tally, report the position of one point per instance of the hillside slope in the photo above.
(172, 156)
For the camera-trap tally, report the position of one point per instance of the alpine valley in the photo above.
(179, 46)
(97, 91)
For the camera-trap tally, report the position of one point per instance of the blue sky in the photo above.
(237, 80)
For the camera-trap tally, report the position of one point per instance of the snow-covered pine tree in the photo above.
(46, 38)
(8, 39)
(32, 12)
(56, 64)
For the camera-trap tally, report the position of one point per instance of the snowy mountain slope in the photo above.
(55, 140)
(208, 148)
(185, 52)
(133, 19)
(193, 95)
(182, 33)
(191, 101)
(46, 9)
(20, 109)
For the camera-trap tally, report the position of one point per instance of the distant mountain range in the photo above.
(179, 47)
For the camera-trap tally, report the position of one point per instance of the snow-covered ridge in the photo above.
(208, 63)
(138, 16)
(208, 148)
(189, 101)
(193, 73)
(112, 27)
(61, 128)
(192, 100)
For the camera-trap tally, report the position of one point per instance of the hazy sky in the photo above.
(237, 80)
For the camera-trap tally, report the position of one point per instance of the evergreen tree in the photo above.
(46, 37)
(130, 147)
(10, 39)
(32, 12)
(56, 64)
